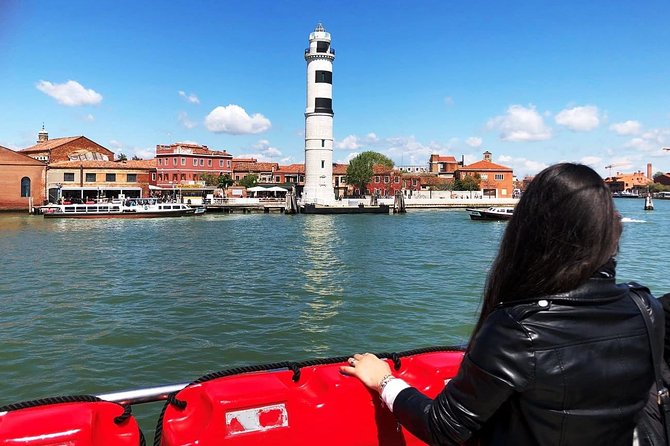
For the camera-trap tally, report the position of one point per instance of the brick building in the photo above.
(636, 182)
(443, 166)
(185, 164)
(264, 172)
(66, 149)
(21, 180)
(496, 181)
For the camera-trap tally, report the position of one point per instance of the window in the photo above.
(277, 179)
(174, 161)
(414, 182)
(183, 161)
(397, 179)
(484, 176)
(195, 162)
(377, 179)
(25, 187)
(220, 163)
(323, 76)
(153, 176)
(322, 47)
(323, 164)
(131, 178)
(323, 105)
(386, 179)
(202, 162)
(209, 163)
(110, 177)
(323, 143)
(500, 176)
(183, 176)
(90, 178)
(228, 163)
(68, 176)
(174, 177)
(160, 161)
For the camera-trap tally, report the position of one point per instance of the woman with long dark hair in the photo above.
(560, 354)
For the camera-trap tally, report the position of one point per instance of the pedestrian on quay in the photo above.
(560, 354)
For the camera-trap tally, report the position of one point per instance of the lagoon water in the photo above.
(97, 306)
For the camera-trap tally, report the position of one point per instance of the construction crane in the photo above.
(615, 165)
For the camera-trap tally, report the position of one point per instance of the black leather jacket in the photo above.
(568, 369)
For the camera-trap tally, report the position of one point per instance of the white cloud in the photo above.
(348, 143)
(192, 98)
(520, 124)
(651, 141)
(626, 128)
(71, 93)
(186, 121)
(89, 117)
(264, 152)
(474, 141)
(593, 161)
(234, 120)
(522, 166)
(579, 119)
(353, 142)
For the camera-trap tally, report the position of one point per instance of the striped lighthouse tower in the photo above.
(319, 119)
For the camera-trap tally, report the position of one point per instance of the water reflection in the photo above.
(322, 285)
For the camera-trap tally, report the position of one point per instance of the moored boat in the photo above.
(129, 208)
(492, 213)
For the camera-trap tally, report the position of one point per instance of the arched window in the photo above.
(25, 187)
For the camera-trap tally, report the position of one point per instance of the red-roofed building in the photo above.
(87, 180)
(496, 181)
(443, 166)
(183, 164)
(21, 179)
(66, 149)
(264, 172)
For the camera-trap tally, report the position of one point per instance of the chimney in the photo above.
(649, 172)
(42, 136)
(487, 156)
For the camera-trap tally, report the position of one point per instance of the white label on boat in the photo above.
(257, 419)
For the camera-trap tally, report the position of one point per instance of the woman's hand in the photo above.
(368, 368)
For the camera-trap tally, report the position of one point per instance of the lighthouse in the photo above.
(319, 120)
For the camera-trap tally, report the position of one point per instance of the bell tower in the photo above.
(319, 119)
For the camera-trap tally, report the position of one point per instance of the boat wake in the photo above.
(632, 220)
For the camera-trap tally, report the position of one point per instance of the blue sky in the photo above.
(534, 82)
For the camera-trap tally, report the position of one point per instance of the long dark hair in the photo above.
(563, 229)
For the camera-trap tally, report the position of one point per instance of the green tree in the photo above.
(122, 157)
(249, 181)
(468, 182)
(136, 158)
(359, 171)
(224, 181)
(209, 179)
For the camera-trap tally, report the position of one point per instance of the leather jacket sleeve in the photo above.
(499, 363)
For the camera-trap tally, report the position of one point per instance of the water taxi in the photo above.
(492, 213)
(128, 208)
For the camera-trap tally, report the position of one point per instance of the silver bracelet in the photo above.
(385, 380)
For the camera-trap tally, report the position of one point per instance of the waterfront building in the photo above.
(66, 149)
(385, 181)
(263, 171)
(319, 119)
(413, 168)
(496, 181)
(184, 164)
(663, 179)
(443, 166)
(22, 181)
(87, 180)
(340, 186)
(634, 183)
